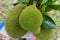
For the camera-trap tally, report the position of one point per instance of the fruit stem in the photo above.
(38, 4)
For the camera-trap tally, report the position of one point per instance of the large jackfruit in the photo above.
(12, 22)
(31, 19)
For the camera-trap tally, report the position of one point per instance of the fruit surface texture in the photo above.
(46, 34)
(12, 26)
(31, 19)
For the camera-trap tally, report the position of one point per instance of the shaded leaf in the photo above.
(31, 1)
(40, 1)
(48, 22)
(48, 9)
(43, 2)
(55, 7)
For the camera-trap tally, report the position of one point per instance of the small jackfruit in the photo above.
(46, 34)
(31, 19)
(12, 26)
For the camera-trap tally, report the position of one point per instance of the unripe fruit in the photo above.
(12, 26)
(31, 19)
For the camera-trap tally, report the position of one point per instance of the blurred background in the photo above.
(6, 5)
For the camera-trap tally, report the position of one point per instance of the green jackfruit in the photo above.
(12, 26)
(31, 19)
(46, 34)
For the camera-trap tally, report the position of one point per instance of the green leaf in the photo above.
(40, 1)
(44, 1)
(31, 1)
(48, 22)
(55, 7)
(50, 2)
(48, 9)
(20, 0)
(23, 1)
(44, 8)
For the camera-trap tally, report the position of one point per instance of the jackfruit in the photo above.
(12, 26)
(31, 19)
(46, 34)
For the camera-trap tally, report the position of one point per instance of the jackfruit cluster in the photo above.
(23, 18)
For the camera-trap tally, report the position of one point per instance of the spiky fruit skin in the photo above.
(31, 19)
(12, 26)
(46, 34)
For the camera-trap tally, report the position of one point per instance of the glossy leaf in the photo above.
(55, 7)
(48, 22)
